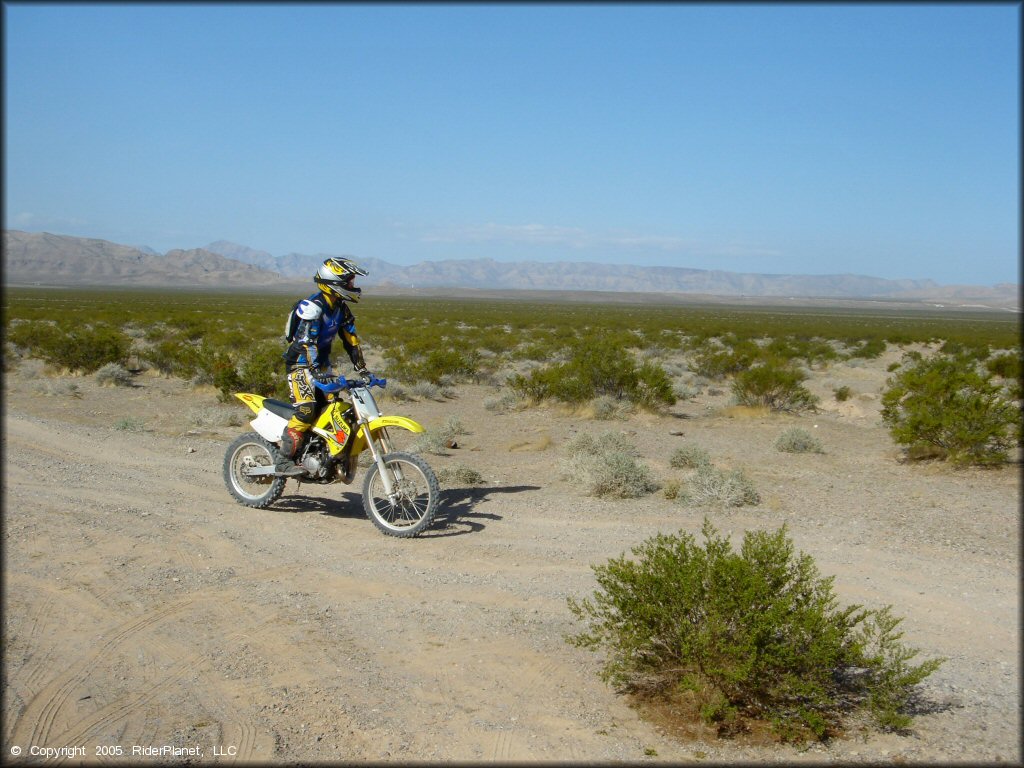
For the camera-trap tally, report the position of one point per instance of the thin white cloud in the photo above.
(546, 234)
(34, 221)
(581, 239)
(742, 250)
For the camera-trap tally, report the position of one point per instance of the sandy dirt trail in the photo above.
(145, 609)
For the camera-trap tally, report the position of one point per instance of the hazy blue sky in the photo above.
(813, 139)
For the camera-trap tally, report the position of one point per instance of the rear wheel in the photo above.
(413, 503)
(248, 452)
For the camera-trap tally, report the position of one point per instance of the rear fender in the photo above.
(268, 424)
(255, 402)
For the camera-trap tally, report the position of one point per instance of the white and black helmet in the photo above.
(336, 277)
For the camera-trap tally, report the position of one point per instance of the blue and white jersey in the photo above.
(318, 325)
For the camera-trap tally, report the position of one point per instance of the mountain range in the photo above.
(62, 260)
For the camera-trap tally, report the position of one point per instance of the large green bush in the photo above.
(84, 349)
(945, 405)
(432, 365)
(262, 371)
(174, 357)
(756, 635)
(714, 361)
(597, 370)
(775, 384)
(1006, 365)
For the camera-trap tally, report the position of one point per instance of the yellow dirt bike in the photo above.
(400, 490)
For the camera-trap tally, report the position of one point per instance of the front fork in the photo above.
(378, 457)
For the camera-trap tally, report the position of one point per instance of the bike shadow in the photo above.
(457, 514)
(346, 505)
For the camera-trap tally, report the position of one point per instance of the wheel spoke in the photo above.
(246, 453)
(413, 501)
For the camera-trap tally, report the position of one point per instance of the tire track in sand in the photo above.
(87, 730)
(36, 721)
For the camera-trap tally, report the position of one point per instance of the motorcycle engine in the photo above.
(315, 459)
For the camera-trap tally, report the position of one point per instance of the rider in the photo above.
(312, 326)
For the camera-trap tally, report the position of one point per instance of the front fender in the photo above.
(402, 422)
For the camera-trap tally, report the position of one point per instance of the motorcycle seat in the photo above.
(281, 408)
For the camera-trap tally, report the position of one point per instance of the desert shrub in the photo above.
(672, 489)
(432, 365)
(606, 466)
(842, 394)
(396, 392)
(84, 349)
(689, 457)
(775, 385)
(506, 402)
(653, 388)
(215, 416)
(262, 372)
(597, 370)
(223, 375)
(734, 638)
(945, 403)
(12, 356)
(438, 441)
(25, 336)
(686, 390)
(130, 424)
(608, 408)
(716, 362)
(711, 485)
(813, 351)
(172, 358)
(62, 388)
(975, 350)
(798, 440)
(459, 475)
(115, 375)
(1005, 365)
(425, 390)
(869, 349)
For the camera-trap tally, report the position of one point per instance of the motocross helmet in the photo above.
(336, 278)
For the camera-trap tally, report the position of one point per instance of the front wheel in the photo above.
(246, 453)
(413, 503)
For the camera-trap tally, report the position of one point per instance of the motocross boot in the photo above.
(291, 442)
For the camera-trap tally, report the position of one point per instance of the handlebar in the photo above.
(341, 384)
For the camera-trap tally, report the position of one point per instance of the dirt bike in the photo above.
(400, 490)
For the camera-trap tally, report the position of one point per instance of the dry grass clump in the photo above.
(843, 393)
(458, 475)
(689, 457)
(607, 408)
(425, 390)
(438, 441)
(215, 416)
(797, 440)
(62, 388)
(711, 485)
(114, 375)
(130, 424)
(395, 392)
(606, 466)
(506, 402)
